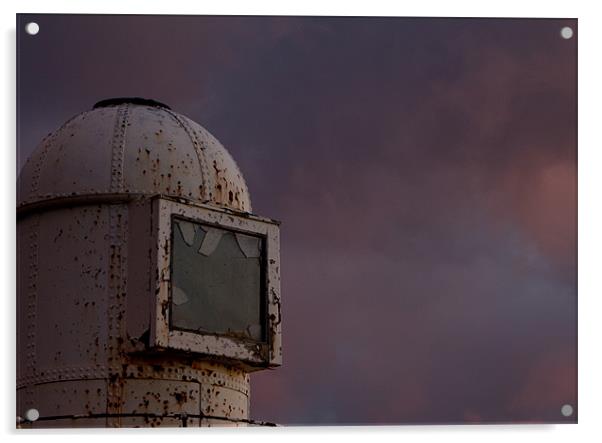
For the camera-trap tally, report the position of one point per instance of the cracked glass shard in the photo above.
(178, 296)
(248, 244)
(187, 230)
(211, 240)
(216, 282)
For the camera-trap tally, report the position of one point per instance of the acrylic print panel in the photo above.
(423, 171)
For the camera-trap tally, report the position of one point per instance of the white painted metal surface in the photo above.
(95, 203)
(133, 149)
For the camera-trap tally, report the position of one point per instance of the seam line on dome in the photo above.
(241, 176)
(198, 147)
(118, 147)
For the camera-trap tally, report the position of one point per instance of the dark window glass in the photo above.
(216, 281)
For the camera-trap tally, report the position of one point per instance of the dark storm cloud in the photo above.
(425, 174)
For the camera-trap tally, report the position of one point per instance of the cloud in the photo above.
(424, 171)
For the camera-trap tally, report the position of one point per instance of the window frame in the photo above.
(246, 351)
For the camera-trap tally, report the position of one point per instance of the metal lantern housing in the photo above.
(147, 290)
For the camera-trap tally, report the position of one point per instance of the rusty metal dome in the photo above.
(129, 146)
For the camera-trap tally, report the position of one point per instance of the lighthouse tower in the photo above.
(147, 289)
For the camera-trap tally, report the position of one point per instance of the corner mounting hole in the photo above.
(566, 33)
(32, 28)
(566, 410)
(32, 415)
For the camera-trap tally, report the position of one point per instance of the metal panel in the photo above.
(86, 171)
(164, 397)
(71, 398)
(154, 402)
(224, 402)
(72, 288)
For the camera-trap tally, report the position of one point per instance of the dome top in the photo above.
(130, 100)
(133, 146)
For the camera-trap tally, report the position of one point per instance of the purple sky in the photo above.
(424, 171)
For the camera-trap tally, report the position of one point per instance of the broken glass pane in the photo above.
(216, 281)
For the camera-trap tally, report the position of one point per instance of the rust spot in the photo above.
(181, 397)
